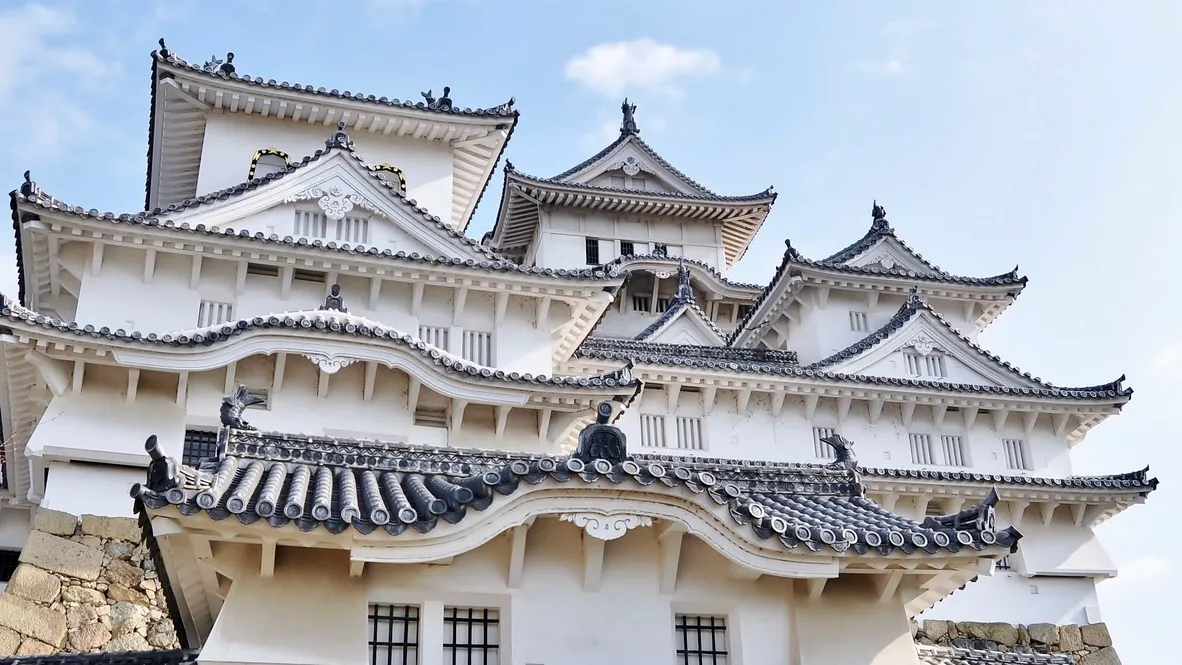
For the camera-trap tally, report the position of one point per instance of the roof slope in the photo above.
(338, 484)
(683, 305)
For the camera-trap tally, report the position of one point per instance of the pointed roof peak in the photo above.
(628, 124)
(339, 139)
(880, 223)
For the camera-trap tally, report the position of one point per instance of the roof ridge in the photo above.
(625, 259)
(1130, 480)
(683, 299)
(916, 303)
(768, 193)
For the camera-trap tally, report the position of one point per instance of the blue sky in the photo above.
(1035, 132)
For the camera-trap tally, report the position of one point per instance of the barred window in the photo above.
(955, 453)
(701, 640)
(921, 449)
(592, 251)
(393, 634)
(641, 303)
(211, 313)
(820, 448)
(652, 431)
(931, 365)
(627, 248)
(434, 335)
(199, 445)
(471, 636)
(689, 434)
(1016, 457)
(477, 347)
(858, 321)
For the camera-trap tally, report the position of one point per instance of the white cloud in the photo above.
(641, 64)
(897, 37)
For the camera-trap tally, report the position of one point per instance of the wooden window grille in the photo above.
(471, 636)
(701, 640)
(434, 335)
(641, 303)
(211, 313)
(954, 450)
(393, 634)
(592, 251)
(921, 449)
(1016, 457)
(477, 347)
(858, 321)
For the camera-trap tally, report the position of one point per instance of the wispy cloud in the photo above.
(897, 56)
(614, 68)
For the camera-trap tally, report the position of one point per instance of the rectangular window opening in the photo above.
(954, 450)
(262, 270)
(627, 248)
(471, 636)
(425, 417)
(820, 448)
(311, 224)
(858, 321)
(477, 347)
(921, 449)
(1016, 455)
(689, 433)
(436, 336)
(393, 634)
(700, 640)
(652, 431)
(309, 276)
(641, 303)
(211, 313)
(353, 229)
(663, 304)
(592, 251)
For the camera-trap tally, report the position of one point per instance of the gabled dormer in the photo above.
(210, 125)
(816, 307)
(625, 200)
(683, 321)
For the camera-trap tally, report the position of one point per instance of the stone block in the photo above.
(129, 642)
(1070, 639)
(935, 629)
(32, 620)
(1105, 656)
(127, 618)
(89, 637)
(119, 549)
(55, 522)
(79, 616)
(1023, 635)
(162, 635)
(32, 647)
(59, 555)
(123, 574)
(77, 594)
(31, 582)
(1096, 635)
(1001, 633)
(118, 592)
(10, 641)
(1044, 633)
(122, 528)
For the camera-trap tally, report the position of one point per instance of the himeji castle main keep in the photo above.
(293, 414)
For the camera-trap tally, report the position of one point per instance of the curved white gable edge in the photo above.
(899, 256)
(617, 159)
(340, 170)
(921, 328)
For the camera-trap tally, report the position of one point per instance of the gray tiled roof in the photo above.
(623, 262)
(1134, 480)
(765, 361)
(915, 304)
(930, 655)
(766, 195)
(318, 321)
(170, 657)
(644, 147)
(339, 484)
(684, 299)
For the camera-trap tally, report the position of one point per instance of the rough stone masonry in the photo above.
(1085, 645)
(84, 584)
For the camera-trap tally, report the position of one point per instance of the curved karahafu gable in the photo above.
(338, 484)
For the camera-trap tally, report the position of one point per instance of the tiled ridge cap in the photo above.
(936, 655)
(32, 193)
(399, 494)
(152, 657)
(1136, 480)
(504, 110)
(914, 305)
(645, 147)
(879, 229)
(683, 299)
(623, 262)
(685, 353)
(321, 321)
(768, 195)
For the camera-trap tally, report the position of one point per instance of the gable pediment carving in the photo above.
(335, 199)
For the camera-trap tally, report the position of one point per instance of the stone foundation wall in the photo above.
(84, 584)
(1085, 645)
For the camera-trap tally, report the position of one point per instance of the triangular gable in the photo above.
(919, 344)
(891, 254)
(342, 189)
(631, 156)
(687, 325)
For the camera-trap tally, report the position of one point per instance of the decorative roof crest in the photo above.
(339, 139)
(602, 441)
(215, 64)
(685, 291)
(443, 103)
(880, 223)
(30, 188)
(333, 300)
(164, 52)
(628, 125)
(235, 403)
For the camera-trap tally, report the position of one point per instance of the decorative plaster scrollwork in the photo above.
(923, 344)
(886, 261)
(663, 274)
(630, 166)
(606, 527)
(334, 201)
(329, 364)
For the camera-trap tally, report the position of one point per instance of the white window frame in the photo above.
(822, 450)
(1017, 454)
(652, 431)
(922, 449)
(691, 432)
(859, 321)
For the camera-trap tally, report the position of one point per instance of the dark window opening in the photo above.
(660, 249)
(309, 276)
(627, 248)
(471, 636)
(393, 635)
(199, 445)
(592, 252)
(701, 640)
(262, 270)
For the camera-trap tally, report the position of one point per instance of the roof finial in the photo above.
(628, 126)
(227, 67)
(339, 138)
(334, 300)
(685, 291)
(445, 100)
(28, 187)
(880, 222)
(164, 52)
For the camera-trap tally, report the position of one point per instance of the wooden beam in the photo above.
(286, 277)
(356, 568)
(517, 537)
(999, 419)
(500, 306)
(96, 258)
(742, 398)
(907, 410)
(810, 405)
(502, 411)
(195, 274)
(889, 500)
(542, 315)
(412, 394)
(938, 413)
(416, 299)
(970, 416)
(322, 384)
(1078, 510)
(843, 408)
(149, 264)
(970, 308)
(886, 585)
(1060, 421)
(778, 403)
(592, 562)
(371, 376)
(544, 424)
(871, 301)
(1017, 510)
(672, 391)
(708, 395)
(1029, 420)
(816, 587)
(1047, 509)
(822, 297)
(267, 566)
(669, 539)
(231, 372)
(240, 283)
(921, 506)
(133, 384)
(459, 300)
(182, 388)
(79, 375)
(457, 414)
(280, 365)
(874, 409)
(375, 291)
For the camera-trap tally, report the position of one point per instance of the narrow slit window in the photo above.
(311, 224)
(689, 434)
(393, 634)
(1016, 456)
(353, 229)
(212, 312)
(821, 449)
(954, 450)
(471, 636)
(858, 321)
(477, 347)
(434, 335)
(592, 251)
(700, 640)
(921, 449)
(652, 431)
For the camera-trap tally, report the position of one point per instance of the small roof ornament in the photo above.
(443, 103)
(685, 291)
(602, 441)
(628, 125)
(234, 404)
(28, 187)
(164, 52)
(334, 301)
(878, 213)
(339, 138)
